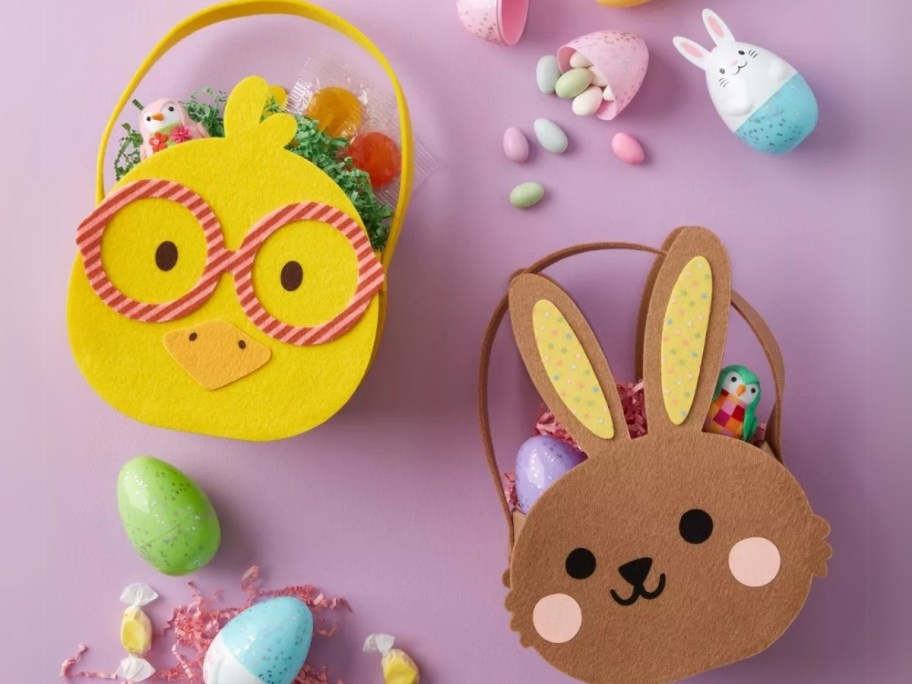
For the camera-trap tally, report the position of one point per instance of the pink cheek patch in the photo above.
(754, 562)
(557, 618)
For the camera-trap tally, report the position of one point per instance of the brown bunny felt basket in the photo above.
(674, 553)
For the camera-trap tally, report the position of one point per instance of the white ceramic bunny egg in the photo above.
(760, 96)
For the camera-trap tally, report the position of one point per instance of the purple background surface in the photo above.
(390, 504)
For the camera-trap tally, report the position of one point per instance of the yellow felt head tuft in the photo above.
(244, 113)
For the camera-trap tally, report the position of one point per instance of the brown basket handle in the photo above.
(756, 323)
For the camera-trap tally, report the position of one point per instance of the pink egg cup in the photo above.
(498, 21)
(622, 57)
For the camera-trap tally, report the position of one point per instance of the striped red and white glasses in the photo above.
(220, 260)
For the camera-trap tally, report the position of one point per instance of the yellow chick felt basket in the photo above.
(214, 339)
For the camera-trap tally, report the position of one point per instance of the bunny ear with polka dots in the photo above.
(685, 329)
(565, 362)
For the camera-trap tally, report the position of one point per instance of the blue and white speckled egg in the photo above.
(266, 644)
(782, 122)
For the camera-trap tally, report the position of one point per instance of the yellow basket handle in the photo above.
(236, 9)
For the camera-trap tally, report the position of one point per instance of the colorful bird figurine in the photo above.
(733, 410)
(164, 123)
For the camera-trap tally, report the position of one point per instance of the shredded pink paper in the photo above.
(194, 625)
(632, 401)
(634, 404)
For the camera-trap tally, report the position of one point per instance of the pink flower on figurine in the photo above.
(158, 142)
(181, 134)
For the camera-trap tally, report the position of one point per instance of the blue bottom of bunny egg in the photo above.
(783, 121)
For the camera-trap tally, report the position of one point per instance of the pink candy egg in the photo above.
(515, 145)
(628, 149)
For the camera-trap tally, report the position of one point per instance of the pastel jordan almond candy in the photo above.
(551, 136)
(628, 149)
(588, 101)
(579, 61)
(515, 145)
(547, 72)
(572, 83)
(526, 195)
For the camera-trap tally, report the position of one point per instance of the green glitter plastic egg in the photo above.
(167, 517)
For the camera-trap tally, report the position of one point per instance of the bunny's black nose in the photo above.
(636, 571)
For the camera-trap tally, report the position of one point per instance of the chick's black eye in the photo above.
(292, 275)
(148, 118)
(696, 526)
(734, 378)
(580, 564)
(740, 52)
(722, 71)
(171, 108)
(166, 256)
(753, 390)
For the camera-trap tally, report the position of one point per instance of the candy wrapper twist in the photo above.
(398, 667)
(136, 633)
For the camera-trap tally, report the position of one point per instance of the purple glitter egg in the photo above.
(540, 462)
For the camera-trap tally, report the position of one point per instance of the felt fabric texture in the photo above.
(242, 178)
(216, 353)
(526, 293)
(684, 336)
(759, 327)
(659, 603)
(237, 9)
(569, 370)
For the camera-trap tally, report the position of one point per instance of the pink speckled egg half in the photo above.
(622, 57)
(628, 149)
(499, 21)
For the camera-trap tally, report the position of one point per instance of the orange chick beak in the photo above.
(741, 390)
(158, 116)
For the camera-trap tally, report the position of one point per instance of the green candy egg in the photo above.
(168, 518)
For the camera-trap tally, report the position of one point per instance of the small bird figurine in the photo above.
(164, 123)
(733, 410)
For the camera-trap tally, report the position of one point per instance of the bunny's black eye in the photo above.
(740, 52)
(166, 256)
(722, 71)
(696, 526)
(580, 564)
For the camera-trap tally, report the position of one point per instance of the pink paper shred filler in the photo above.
(196, 624)
(634, 404)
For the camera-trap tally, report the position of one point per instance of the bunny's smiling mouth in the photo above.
(639, 591)
(636, 572)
